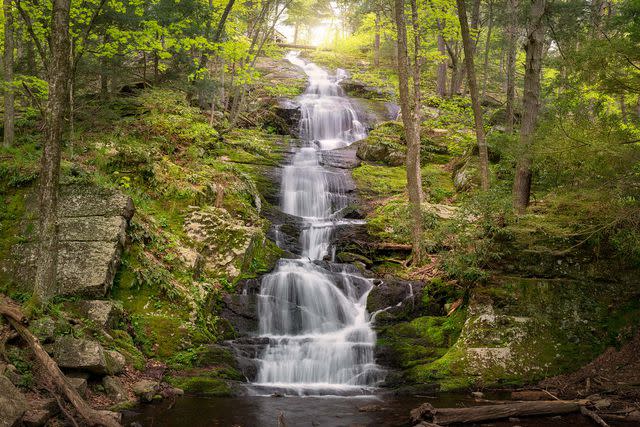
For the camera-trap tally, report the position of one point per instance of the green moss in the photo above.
(201, 385)
(123, 343)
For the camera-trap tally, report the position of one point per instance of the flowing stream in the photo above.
(320, 337)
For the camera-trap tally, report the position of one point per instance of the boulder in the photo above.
(116, 362)
(80, 354)
(114, 388)
(43, 328)
(226, 243)
(13, 403)
(104, 314)
(145, 389)
(288, 116)
(78, 383)
(92, 234)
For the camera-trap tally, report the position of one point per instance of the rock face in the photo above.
(226, 244)
(92, 232)
(104, 314)
(86, 355)
(12, 403)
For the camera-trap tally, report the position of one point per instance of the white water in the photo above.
(320, 337)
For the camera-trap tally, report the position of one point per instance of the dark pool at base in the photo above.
(257, 411)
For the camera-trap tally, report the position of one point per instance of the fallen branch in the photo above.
(474, 414)
(595, 417)
(93, 417)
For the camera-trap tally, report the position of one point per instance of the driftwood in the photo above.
(445, 416)
(595, 417)
(93, 417)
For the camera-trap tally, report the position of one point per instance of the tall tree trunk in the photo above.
(9, 106)
(59, 72)
(485, 73)
(511, 62)
(222, 21)
(296, 29)
(417, 63)
(412, 134)
(530, 104)
(441, 81)
(623, 108)
(467, 45)
(376, 41)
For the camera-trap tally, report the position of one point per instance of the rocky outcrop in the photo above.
(13, 403)
(105, 314)
(288, 116)
(92, 232)
(86, 355)
(225, 244)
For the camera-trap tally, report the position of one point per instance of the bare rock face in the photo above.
(86, 355)
(92, 232)
(225, 243)
(12, 403)
(104, 314)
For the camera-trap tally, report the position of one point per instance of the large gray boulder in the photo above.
(92, 234)
(13, 404)
(86, 355)
(104, 314)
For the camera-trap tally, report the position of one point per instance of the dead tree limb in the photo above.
(93, 417)
(446, 416)
(595, 417)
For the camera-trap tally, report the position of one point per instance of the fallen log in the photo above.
(473, 414)
(595, 417)
(92, 416)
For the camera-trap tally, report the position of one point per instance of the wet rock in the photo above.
(80, 354)
(288, 114)
(92, 235)
(104, 314)
(13, 403)
(359, 89)
(240, 309)
(145, 389)
(114, 388)
(477, 394)
(391, 292)
(348, 257)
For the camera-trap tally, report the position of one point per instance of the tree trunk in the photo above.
(479, 414)
(412, 134)
(223, 20)
(467, 45)
(417, 63)
(9, 107)
(485, 74)
(511, 62)
(530, 105)
(59, 72)
(441, 82)
(296, 28)
(376, 41)
(623, 108)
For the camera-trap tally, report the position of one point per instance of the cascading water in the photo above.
(320, 338)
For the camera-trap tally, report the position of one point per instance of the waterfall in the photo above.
(319, 332)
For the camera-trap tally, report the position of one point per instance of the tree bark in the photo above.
(417, 63)
(483, 153)
(222, 21)
(376, 41)
(530, 105)
(441, 82)
(412, 134)
(485, 73)
(59, 72)
(511, 63)
(477, 414)
(9, 105)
